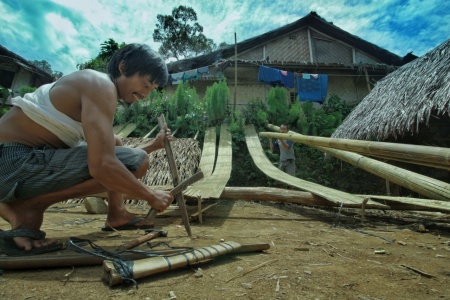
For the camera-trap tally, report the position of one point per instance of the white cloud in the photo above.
(67, 32)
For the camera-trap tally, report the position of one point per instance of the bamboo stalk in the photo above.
(421, 184)
(422, 155)
(150, 266)
(265, 165)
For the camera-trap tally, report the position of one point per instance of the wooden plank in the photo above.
(118, 128)
(125, 131)
(207, 162)
(175, 178)
(266, 166)
(213, 186)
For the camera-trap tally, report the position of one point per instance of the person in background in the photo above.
(57, 143)
(286, 149)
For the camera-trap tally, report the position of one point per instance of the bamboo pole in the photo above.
(151, 131)
(71, 259)
(421, 184)
(150, 266)
(438, 157)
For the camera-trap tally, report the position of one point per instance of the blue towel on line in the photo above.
(312, 89)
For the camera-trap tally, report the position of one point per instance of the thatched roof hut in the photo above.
(406, 103)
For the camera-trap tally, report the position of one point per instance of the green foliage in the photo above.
(4, 94)
(187, 110)
(44, 65)
(302, 122)
(181, 35)
(216, 101)
(143, 113)
(108, 48)
(100, 62)
(237, 127)
(255, 113)
(26, 89)
(183, 112)
(336, 104)
(277, 105)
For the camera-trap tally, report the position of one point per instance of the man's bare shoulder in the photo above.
(83, 89)
(86, 79)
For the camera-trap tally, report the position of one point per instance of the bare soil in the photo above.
(314, 254)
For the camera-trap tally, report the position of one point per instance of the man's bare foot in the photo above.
(21, 216)
(119, 218)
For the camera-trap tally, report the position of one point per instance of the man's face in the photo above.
(136, 88)
(283, 129)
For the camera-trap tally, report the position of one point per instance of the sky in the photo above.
(69, 32)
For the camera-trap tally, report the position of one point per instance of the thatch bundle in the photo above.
(403, 99)
(186, 152)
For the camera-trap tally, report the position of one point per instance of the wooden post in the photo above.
(175, 178)
(235, 73)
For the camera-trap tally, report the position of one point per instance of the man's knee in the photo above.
(143, 168)
(118, 140)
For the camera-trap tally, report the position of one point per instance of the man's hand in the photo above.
(162, 200)
(162, 134)
(158, 142)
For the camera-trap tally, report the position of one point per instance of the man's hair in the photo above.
(287, 127)
(139, 58)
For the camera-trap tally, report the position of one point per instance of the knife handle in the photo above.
(151, 216)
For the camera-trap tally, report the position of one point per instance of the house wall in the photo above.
(22, 78)
(350, 86)
(292, 47)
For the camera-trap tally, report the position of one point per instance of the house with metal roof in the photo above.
(299, 54)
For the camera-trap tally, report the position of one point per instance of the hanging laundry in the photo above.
(287, 79)
(190, 74)
(312, 89)
(203, 70)
(176, 78)
(275, 77)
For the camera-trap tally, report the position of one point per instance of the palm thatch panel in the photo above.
(403, 100)
(186, 152)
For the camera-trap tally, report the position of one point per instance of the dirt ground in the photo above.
(315, 253)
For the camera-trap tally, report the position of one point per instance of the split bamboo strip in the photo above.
(266, 166)
(213, 186)
(151, 131)
(405, 203)
(417, 154)
(207, 161)
(125, 131)
(426, 186)
(118, 128)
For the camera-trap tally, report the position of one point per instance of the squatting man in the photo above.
(57, 143)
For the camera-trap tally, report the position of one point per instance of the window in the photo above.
(293, 97)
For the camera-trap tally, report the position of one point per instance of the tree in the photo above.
(44, 65)
(181, 35)
(108, 48)
(100, 63)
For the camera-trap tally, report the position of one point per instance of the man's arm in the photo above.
(98, 107)
(286, 144)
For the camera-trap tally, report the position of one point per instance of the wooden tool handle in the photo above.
(139, 241)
